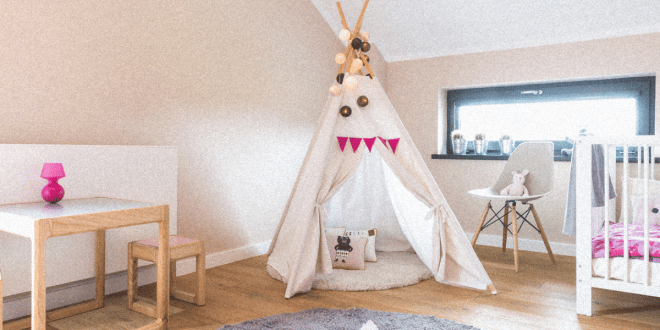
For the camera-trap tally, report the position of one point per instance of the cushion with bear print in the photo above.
(370, 249)
(346, 252)
(335, 230)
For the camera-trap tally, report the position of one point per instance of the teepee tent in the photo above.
(426, 220)
(371, 153)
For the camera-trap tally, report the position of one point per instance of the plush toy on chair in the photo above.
(517, 187)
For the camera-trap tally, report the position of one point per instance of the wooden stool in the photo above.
(180, 247)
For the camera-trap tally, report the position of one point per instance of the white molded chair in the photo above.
(538, 158)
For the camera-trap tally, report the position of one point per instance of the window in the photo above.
(553, 111)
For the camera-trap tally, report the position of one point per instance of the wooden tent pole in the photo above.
(358, 26)
(350, 53)
(366, 65)
(341, 15)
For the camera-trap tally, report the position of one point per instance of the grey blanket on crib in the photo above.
(597, 191)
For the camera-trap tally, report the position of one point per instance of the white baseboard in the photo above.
(187, 266)
(563, 249)
(63, 295)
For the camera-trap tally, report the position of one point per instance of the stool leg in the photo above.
(545, 239)
(201, 276)
(131, 271)
(515, 235)
(481, 223)
(172, 276)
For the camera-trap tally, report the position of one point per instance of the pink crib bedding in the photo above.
(635, 247)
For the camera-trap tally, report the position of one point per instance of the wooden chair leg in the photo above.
(515, 235)
(481, 223)
(545, 239)
(172, 276)
(506, 224)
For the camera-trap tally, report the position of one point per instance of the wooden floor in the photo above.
(540, 296)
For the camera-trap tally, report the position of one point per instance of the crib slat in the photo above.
(606, 217)
(639, 164)
(583, 212)
(626, 220)
(646, 214)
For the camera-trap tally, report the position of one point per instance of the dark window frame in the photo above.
(643, 88)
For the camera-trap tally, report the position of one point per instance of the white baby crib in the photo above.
(632, 226)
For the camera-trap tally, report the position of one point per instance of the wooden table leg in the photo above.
(163, 269)
(100, 268)
(39, 275)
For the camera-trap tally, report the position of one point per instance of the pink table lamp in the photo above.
(52, 192)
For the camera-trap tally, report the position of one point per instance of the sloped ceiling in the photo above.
(409, 30)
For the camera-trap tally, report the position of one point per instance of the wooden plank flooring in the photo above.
(540, 296)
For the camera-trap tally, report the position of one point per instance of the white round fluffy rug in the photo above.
(393, 270)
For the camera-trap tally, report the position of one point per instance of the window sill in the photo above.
(490, 156)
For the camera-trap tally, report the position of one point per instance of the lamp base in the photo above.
(52, 192)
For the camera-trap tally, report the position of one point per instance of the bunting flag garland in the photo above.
(355, 143)
(342, 142)
(369, 142)
(393, 144)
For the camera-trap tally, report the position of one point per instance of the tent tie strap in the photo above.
(437, 210)
(323, 214)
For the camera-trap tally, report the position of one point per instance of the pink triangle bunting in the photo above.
(355, 143)
(342, 142)
(369, 142)
(384, 141)
(393, 144)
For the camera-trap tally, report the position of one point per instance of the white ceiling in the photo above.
(408, 30)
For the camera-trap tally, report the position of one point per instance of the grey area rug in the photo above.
(348, 319)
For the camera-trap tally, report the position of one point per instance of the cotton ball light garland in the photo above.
(365, 47)
(350, 82)
(345, 111)
(357, 64)
(356, 43)
(335, 90)
(340, 78)
(364, 35)
(344, 35)
(362, 101)
(340, 58)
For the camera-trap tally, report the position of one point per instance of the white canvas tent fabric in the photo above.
(299, 249)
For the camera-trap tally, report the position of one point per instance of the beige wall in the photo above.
(237, 86)
(414, 87)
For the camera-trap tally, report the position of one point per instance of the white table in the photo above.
(40, 221)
